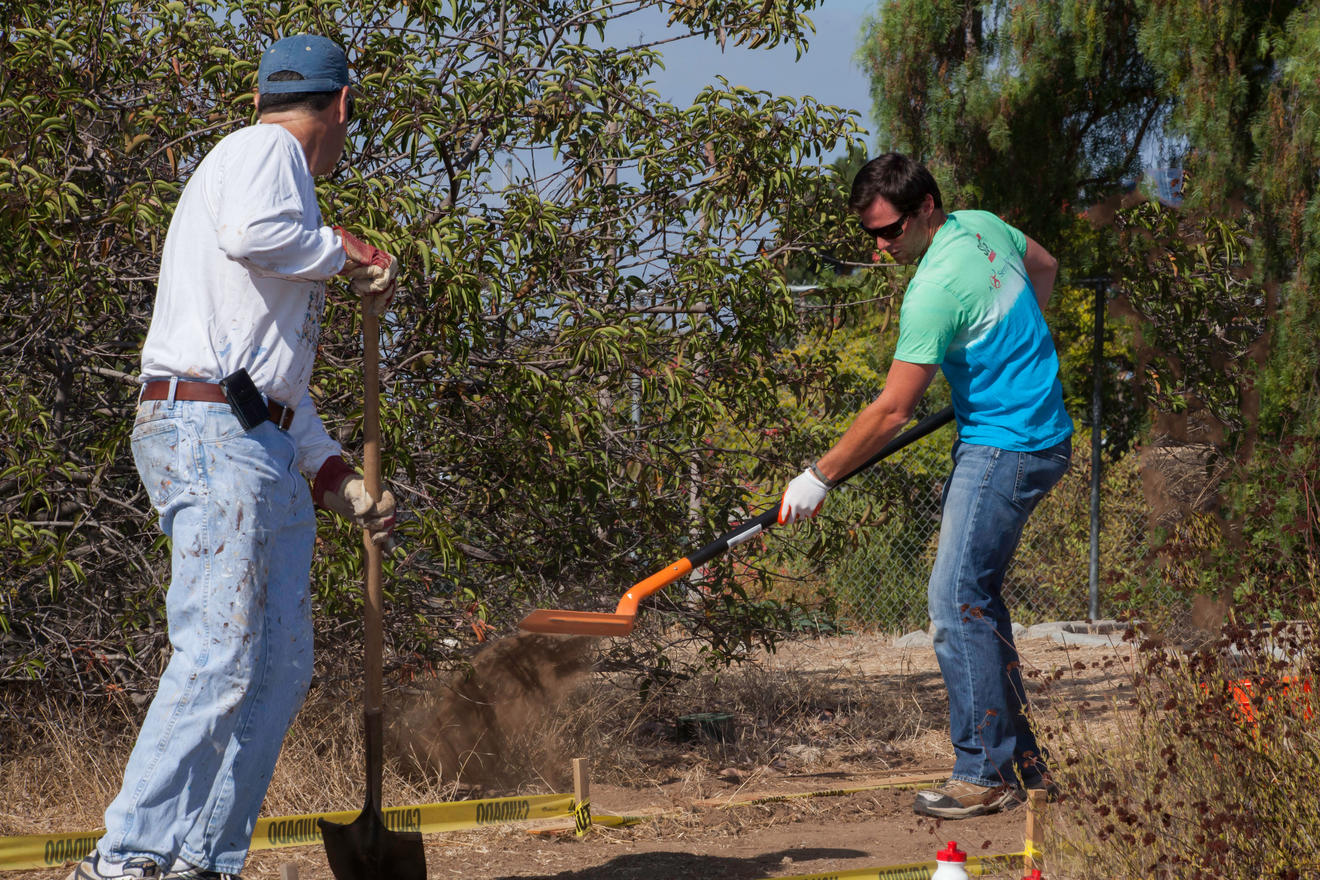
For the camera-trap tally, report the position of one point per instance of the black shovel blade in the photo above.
(365, 849)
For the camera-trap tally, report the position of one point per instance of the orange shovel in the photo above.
(624, 618)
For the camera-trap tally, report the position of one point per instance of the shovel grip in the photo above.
(373, 603)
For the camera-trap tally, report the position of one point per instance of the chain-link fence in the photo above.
(881, 583)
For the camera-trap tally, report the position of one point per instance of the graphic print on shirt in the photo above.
(989, 252)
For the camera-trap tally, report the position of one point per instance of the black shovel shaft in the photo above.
(753, 527)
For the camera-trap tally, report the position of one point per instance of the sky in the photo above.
(825, 72)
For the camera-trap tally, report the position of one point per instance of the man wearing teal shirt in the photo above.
(973, 309)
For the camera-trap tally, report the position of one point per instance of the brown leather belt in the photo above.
(159, 389)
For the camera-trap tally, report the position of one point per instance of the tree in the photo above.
(592, 289)
(1022, 108)
(1248, 79)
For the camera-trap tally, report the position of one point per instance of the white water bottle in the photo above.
(950, 863)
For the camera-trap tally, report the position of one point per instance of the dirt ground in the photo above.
(685, 836)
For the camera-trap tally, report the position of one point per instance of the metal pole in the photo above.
(1097, 358)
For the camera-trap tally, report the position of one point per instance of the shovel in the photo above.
(365, 849)
(624, 618)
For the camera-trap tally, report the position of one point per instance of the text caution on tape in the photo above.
(975, 867)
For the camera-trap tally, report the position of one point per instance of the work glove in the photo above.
(802, 498)
(341, 489)
(370, 270)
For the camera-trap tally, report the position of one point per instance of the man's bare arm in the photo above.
(1042, 269)
(881, 420)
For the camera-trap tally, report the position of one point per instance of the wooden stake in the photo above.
(288, 871)
(1035, 805)
(581, 796)
(581, 780)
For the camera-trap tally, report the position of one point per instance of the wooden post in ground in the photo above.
(1035, 806)
(581, 796)
(288, 871)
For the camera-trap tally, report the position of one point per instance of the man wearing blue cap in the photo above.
(225, 440)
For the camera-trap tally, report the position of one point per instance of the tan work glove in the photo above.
(341, 489)
(370, 270)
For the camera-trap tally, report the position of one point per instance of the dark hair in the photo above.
(313, 101)
(903, 182)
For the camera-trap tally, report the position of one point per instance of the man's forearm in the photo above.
(870, 431)
(881, 421)
(1042, 282)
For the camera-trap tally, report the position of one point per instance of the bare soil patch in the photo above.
(824, 714)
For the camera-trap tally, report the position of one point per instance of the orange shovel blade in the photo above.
(579, 623)
(596, 623)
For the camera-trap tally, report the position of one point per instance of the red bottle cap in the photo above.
(1034, 875)
(951, 853)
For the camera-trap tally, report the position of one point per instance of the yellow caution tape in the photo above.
(975, 866)
(610, 820)
(51, 850)
(45, 850)
(582, 817)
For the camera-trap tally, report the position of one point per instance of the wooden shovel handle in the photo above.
(373, 604)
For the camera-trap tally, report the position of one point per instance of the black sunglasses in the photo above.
(889, 231)
(352, 108)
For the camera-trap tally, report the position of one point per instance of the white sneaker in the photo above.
(91, 868)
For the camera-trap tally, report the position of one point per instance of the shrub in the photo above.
(1191, 784)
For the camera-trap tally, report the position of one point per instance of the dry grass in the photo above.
(784, 717)
(62, 770)
(813, 713)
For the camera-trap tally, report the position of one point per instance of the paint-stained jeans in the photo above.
(986, 502)
(242, 525)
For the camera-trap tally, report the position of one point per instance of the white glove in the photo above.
(802, 498)
(375, 282)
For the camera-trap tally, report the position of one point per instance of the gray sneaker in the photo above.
(956, 799)
(91, 868)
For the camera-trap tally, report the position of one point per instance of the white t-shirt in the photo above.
(242, 278)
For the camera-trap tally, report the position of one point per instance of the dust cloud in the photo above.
(501, 721)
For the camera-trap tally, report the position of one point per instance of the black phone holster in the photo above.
(244, 399)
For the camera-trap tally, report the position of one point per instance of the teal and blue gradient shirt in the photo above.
(971, 309)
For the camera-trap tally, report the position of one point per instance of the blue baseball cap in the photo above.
(322, 64)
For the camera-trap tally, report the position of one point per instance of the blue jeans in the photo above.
(242, 526)
(986, 502)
